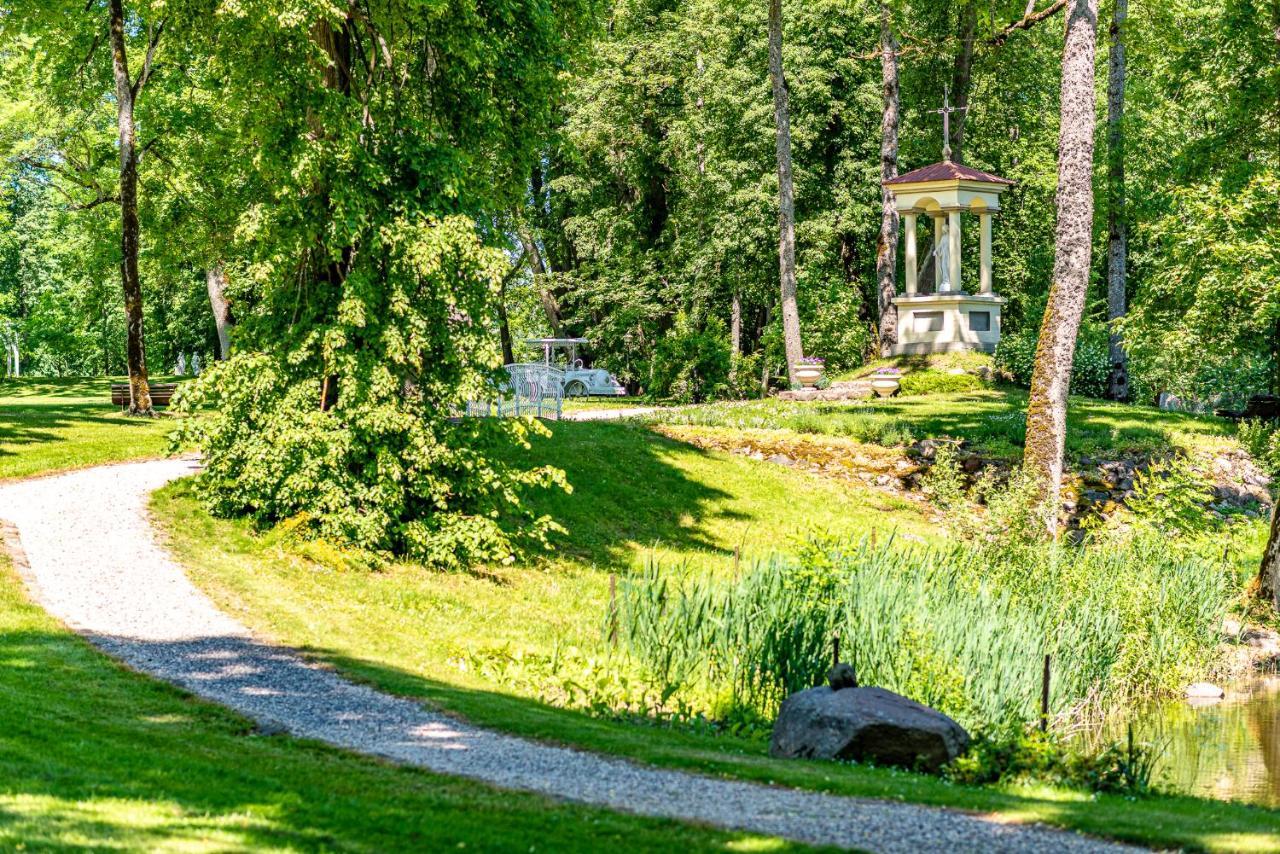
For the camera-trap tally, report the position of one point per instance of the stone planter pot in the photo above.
(809, 375)
(885, 386)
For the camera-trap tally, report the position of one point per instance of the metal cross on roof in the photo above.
(946, 111)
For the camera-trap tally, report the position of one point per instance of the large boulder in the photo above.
(868, 724)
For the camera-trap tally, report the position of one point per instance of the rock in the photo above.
(1095, 496)
(1230, 627)
(865, 724)
(1203, 691)
(972, 465)
(882, 480)
(842, 676)
(779, 459)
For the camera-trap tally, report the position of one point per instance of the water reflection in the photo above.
(1227, 749)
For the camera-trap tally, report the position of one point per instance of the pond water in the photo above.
(1227, 749)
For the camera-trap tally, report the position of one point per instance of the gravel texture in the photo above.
(91, 560)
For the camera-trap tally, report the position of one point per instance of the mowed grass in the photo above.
(58, 424)
(421, 634)
(991, 420)
(94, 757)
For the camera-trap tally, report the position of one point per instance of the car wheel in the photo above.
(575, 388)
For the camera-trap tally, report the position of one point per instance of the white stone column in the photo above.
(984, 220)
(939, 234)
(909, 226)
(953, 235)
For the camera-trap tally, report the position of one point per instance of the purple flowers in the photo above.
(810, 360)
(888, 372)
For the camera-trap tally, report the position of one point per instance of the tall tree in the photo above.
(887, 246)
(216, 283)
(786, 195)
(127, 91)
(962, 76)
(1051, 377)
(1269, 572)
(1117, 224)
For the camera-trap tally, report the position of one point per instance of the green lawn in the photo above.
(58, 424)
(94, 757)
(478, 643)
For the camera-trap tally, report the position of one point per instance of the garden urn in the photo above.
(809, 372)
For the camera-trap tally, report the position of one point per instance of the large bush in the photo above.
(364, 451)
(1015, 359)
(691, 363)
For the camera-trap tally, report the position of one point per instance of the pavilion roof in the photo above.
(947, 171)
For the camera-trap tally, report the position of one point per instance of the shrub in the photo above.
(347, 434)
(1015, 359)
(691, 363)
(1262, 439)
(1022, 755)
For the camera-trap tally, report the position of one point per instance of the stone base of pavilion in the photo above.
(947, 322)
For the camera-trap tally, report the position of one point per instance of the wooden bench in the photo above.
(161, 393)
(1264, 407)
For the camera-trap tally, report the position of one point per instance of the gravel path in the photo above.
(92, 561)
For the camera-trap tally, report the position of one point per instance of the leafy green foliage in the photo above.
(1023, 755)
(1263, 441)
(938, 382)
(691, 363)
(1015, 359)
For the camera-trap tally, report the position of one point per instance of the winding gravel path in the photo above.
(92, 561)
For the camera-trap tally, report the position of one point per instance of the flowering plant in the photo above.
(888, 372)
(810, 360)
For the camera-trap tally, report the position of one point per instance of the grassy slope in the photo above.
(991, 419)
(410, 632)
(93, 757)
(53, 425)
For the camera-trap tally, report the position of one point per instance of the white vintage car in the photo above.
(579, 381)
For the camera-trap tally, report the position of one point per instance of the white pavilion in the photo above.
(938, 316)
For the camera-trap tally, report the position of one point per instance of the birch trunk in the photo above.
(735, 324)
(1269, 572)
(1051, 377)
(131, 282)
(786, 196)
(887, 246)
(1117, 224)
(215, 280)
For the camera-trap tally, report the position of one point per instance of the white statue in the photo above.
(943, 258)
(195, 364)
(181, 368)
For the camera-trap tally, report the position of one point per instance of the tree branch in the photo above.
(1027, 21)
(145, 74)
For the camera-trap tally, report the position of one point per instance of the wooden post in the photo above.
(835, 650)
(1044, 698)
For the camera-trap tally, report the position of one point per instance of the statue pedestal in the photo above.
(947, 322)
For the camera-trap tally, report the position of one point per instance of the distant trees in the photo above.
(1051, 378)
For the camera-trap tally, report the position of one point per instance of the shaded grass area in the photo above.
(59, 424)
(93, 757)
(992, 420)
(430, 635)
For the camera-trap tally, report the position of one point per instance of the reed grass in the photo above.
(963, 629)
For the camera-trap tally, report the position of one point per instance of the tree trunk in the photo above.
(1051, 377)
(786, 196)
(139, 389)
(504, 326)
(550, 307)
(962, 77)
(1269, 572)
(1117, 225)
(735, 324)
(887, 246)
(215, 280)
